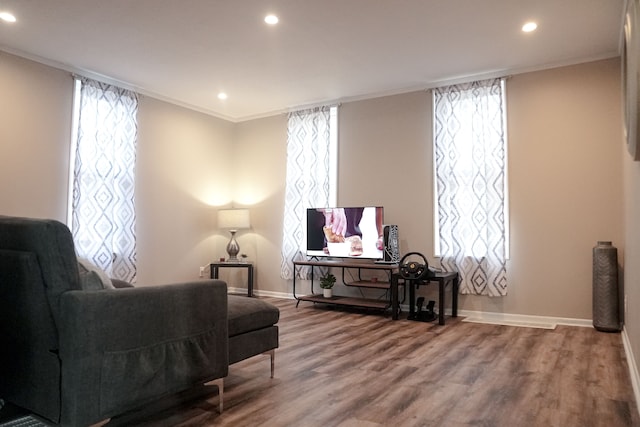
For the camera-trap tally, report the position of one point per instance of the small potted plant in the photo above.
(326, 283)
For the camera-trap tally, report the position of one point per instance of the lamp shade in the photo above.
(234, 219)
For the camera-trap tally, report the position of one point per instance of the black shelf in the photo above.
(390, 285)
(346, 301)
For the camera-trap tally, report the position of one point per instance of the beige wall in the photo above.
(565, 176)
(35, 136)
(632, 255)
(385, 159)
(565, 185)
(183, 173)
(260, 161)
(184, 160)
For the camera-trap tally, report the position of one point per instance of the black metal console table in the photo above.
(391, 284)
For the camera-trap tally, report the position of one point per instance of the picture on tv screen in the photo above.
(351, 232)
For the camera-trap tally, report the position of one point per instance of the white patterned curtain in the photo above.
(470, 153)
(102, 207)
(309, 178)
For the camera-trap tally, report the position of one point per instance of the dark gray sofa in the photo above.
(77, 357)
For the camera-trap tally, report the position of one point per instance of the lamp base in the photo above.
(233, 247)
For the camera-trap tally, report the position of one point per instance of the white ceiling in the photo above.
(322, 51)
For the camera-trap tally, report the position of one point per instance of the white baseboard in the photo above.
(471, 316)
(260, 293)
(528, 321)
(631, 362)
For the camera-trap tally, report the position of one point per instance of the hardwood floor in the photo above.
(351, 369)
(346, 368)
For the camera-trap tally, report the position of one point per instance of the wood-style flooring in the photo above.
(348, 368)
(356, 369)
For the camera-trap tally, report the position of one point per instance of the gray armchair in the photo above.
(77, 357)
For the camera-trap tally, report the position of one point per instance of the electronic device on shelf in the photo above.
(391, 244)
(414, 266)
(426, 315)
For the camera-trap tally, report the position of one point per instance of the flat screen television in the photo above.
(345, 232)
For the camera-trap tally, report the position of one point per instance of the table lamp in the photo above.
(233, 220)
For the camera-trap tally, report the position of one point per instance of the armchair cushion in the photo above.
(90, 281)
(85, 268)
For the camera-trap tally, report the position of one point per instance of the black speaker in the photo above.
(391, 243)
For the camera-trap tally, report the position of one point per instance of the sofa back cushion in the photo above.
(52, 244)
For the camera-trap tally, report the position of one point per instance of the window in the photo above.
(101, 206)
(311, 176)
(471, 206)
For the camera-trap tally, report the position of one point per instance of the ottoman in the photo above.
(252, 328)
(252, 331)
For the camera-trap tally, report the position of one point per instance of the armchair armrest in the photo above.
(122, 348)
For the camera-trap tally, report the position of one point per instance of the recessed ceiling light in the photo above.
(7, 17)
(271, 19)
(529, 26)
(222, 96)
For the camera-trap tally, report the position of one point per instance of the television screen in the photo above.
(345, 232)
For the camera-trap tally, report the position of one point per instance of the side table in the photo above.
(215, 266)
(442, 278)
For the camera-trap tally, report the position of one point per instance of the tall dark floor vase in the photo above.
(606, 303)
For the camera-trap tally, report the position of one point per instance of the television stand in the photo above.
(391, 284)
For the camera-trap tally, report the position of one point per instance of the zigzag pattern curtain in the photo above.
(308, 179)
(470, 154)
(103, 204)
